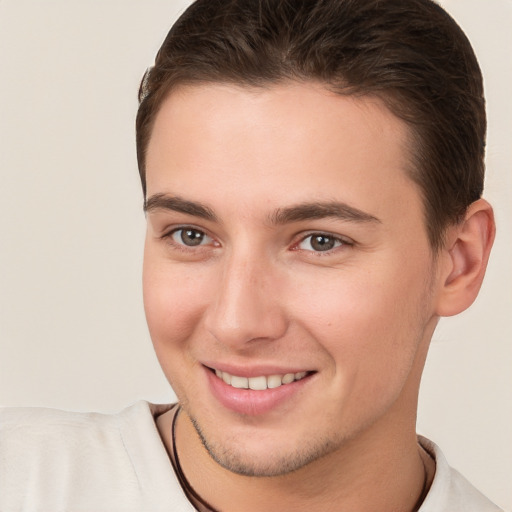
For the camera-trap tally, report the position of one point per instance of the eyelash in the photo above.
(169, 237)
(338, 241)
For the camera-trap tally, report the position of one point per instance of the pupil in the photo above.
(191, 237)
(322, 242)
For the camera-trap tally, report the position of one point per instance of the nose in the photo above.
(246, 305)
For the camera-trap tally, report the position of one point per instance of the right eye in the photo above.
(190, 237)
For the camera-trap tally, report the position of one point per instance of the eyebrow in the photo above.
(178, 204)
(311, 211)
(294, 213)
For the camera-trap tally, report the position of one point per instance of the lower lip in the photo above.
(251, 402)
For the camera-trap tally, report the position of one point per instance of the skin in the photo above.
(257, 294)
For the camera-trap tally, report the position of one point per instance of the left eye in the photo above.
(190, 237)
(320, 242)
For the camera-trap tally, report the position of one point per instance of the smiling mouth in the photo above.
(259, 383)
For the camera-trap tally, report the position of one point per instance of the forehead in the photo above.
(285, 143)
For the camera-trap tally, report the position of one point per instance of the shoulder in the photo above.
(450, 491)
(33, 422)
(53, 437)
(42, 429)
(104, 461)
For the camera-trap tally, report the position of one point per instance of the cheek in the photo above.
(371, 332)
(174, 302)
(369, 323)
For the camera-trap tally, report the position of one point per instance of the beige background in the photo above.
(72, 329)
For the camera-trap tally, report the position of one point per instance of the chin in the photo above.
(265, 458)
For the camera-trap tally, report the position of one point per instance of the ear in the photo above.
(464, 259)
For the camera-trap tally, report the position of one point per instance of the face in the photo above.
(288, 278)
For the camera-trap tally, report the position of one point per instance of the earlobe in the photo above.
(465, 259)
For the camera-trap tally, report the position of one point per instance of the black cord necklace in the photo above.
(189, 491)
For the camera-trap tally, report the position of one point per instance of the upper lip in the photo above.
(255, 370)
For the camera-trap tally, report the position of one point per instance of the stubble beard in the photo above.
(236, 460)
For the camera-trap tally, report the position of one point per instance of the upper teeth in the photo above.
(259, 383)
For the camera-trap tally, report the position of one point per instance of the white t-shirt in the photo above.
(56, 461)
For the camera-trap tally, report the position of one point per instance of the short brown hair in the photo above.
(411, 54)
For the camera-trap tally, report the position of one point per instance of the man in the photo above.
(312, 174)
